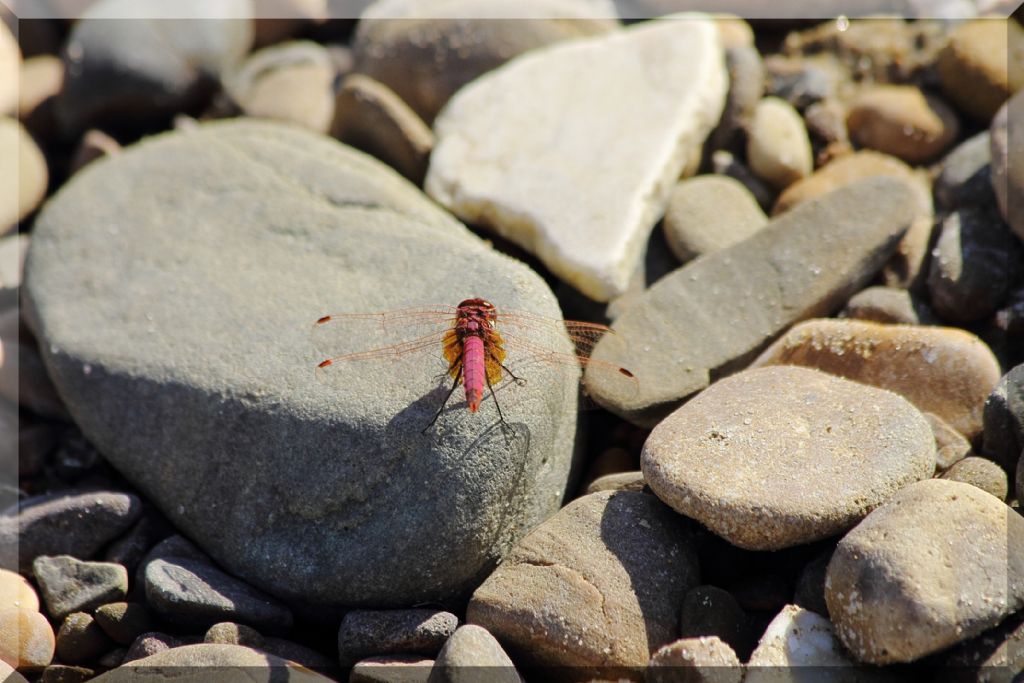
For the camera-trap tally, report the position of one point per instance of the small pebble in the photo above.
(965, 178)
(372, 118)
(64, 673)
(708, 213)
(124, 621)
(1008, 162)
(619, 481)
(950, 445)
(900, 120)
(81, 640)
(978, 69)
(889, 305)
(392, 669)
(472, 648)
(980, 472)
(150, 644)
(778, 148)
(704, 659)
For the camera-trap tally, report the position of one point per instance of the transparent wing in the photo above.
(351, 341)
(531, 338)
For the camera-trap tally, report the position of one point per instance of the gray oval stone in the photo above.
(199, 387)
(776, 457)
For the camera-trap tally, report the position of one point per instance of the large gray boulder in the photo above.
(173, 289)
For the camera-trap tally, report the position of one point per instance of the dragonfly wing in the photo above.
(347, 333)
(338, 370)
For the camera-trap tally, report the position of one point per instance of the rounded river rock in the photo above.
(776, 457)
(187, 360)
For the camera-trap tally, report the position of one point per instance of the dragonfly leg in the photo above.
(458, 377)
(518, 380)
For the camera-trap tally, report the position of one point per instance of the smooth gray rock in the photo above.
(192, 594)
(200, 387)
(1003, 420)
(69, 585)
(382, 632)
(76, 524)
(892, 305)
(715, 313)
(122, 70)
(965, 177)
(975, 262)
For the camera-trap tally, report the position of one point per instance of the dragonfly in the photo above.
(476, 341)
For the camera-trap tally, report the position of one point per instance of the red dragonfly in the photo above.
(476, 341)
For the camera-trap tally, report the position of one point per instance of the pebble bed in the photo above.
(807, 236)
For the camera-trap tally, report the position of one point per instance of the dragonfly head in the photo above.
(480, 310)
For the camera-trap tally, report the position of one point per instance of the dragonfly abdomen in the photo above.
(474, 370)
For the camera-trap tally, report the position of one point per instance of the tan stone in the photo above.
(942, 370)
(26, 639)
(17, 592)
(982, 65)
(900, 120)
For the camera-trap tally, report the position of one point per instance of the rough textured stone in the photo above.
(70, 585)
(63, 673)
(695, 660)
(425, 50)
(170, 388)
(77, 524)
(1004, 420)
(1008, 162)
(941, 370)
(965, 178)
(291, 82)
(975, 262)
(211, 662)
(23, 174)
(891, 305)
(597, 586)
(982, 65)
(81, 640)
(134, 70)
(799, 638)
(26, 639)
(650, 93)
(995, 655)
(149, 644)
(469, 653)
(124, 621)
(941, 562)
(381, 632)
(765, 458)
(907, 267)
(778, 148)
(708, 213)
(16, 592)
(372, 118)
(747, 294)
(902, 121)
(194, 594)
(980, 472)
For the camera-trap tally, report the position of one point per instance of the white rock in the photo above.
(778, 149)
(798, 638)
(10, 68)
(571, 150)
(459, 9)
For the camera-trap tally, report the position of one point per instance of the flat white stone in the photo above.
(571, 150)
